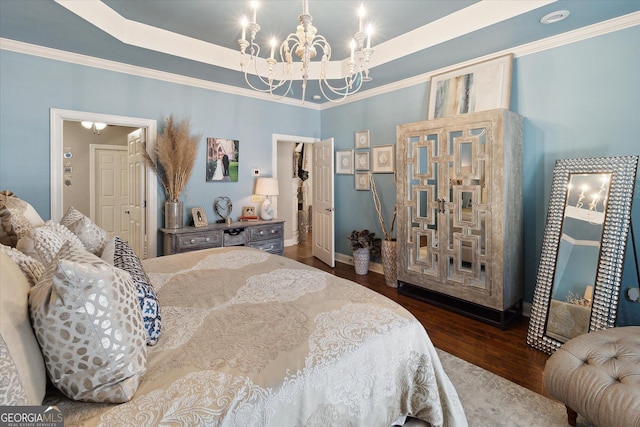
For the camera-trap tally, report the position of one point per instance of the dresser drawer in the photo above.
(274, 246)
(195, 241)
(268, 231)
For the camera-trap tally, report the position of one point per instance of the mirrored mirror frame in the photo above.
(613, 244)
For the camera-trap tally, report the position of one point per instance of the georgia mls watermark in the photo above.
(31, 416)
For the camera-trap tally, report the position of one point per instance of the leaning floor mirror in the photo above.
(585, 236)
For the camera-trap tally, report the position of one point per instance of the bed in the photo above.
(254, 339)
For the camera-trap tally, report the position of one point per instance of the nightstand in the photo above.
(264, 235)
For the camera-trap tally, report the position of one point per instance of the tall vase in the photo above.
(389, 255)
(361, 260)
(173, 214)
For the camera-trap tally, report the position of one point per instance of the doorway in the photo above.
(319, 195)
(147, 205)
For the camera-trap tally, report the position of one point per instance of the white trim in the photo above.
(598, 29)
(57, 118)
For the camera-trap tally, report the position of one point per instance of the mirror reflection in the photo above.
(578, 254)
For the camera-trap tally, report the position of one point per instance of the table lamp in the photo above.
(267, 187)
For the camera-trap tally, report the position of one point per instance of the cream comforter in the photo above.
(253, 339)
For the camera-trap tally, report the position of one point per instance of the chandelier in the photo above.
(306, 44)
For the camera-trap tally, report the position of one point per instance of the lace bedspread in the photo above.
(253, 339)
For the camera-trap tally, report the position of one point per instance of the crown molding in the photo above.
(601, 28)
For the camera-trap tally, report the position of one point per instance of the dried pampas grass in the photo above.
(176, 151)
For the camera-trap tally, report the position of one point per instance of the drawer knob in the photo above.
(193, 240)
(273, 231)
(207, 239)
(261, 232)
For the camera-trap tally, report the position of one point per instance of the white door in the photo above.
(137, 196)
(109, 197)
(323, 210)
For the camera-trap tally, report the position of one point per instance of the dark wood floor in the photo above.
(504, 353)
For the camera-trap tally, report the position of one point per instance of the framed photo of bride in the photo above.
(222, 160)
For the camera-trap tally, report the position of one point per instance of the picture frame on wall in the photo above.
(362, 139)
(199, 217)
(222, 160)
(362, 181)
(478, 87)
(383, 159)
(344, 162)
(362, 160)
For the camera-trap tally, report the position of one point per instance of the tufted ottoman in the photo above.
(597, 375)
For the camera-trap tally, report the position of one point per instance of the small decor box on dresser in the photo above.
(264, 235)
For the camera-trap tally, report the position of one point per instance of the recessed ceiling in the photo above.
(198, 38)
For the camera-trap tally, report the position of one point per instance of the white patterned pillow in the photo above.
(31, 267)
(11, 389)
(93, 237)
(125, 258)
(20, 359)
(86, 318)
(44, 242)
(71, 216)
(90, 234)
(23, 216)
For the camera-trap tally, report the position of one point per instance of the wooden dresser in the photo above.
(264, 235)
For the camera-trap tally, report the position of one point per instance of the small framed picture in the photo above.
(362, 139)
(248, 211)
(344, 162)
(199, 217)
(362, 160)
(362, 181)
(383, 159)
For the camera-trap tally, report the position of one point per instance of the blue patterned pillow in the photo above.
(126, 259)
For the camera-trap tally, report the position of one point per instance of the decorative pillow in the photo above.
(109, 251)
(71, 216)
(11, 390)
(86, 318)
(31, 267)
(7, 233)
(23, 216)
(93, 237)
(20, 358)
(44, 242)
(126, 259)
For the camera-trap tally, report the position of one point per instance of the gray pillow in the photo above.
(86, 318)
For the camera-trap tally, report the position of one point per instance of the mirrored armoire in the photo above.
(459, 200)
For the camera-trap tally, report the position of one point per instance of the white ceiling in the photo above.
(198, 38)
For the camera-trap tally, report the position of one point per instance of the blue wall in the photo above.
(578, 100)
(30, 86)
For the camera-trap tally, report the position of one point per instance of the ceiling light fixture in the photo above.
(553, 17)
(97, 126)
(305, 43)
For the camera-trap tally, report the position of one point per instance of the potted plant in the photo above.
(176, 151)
(389, 254)
(364, 244)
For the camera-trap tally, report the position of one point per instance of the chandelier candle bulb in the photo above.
(244, 28)
(353, 48)
(305, 7)
(369, 32)
(360, 15)
(254, 5)
(273, 47)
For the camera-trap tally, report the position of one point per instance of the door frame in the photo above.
(57, 118)
(275, 138)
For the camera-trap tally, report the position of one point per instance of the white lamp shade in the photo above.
(267, 186)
